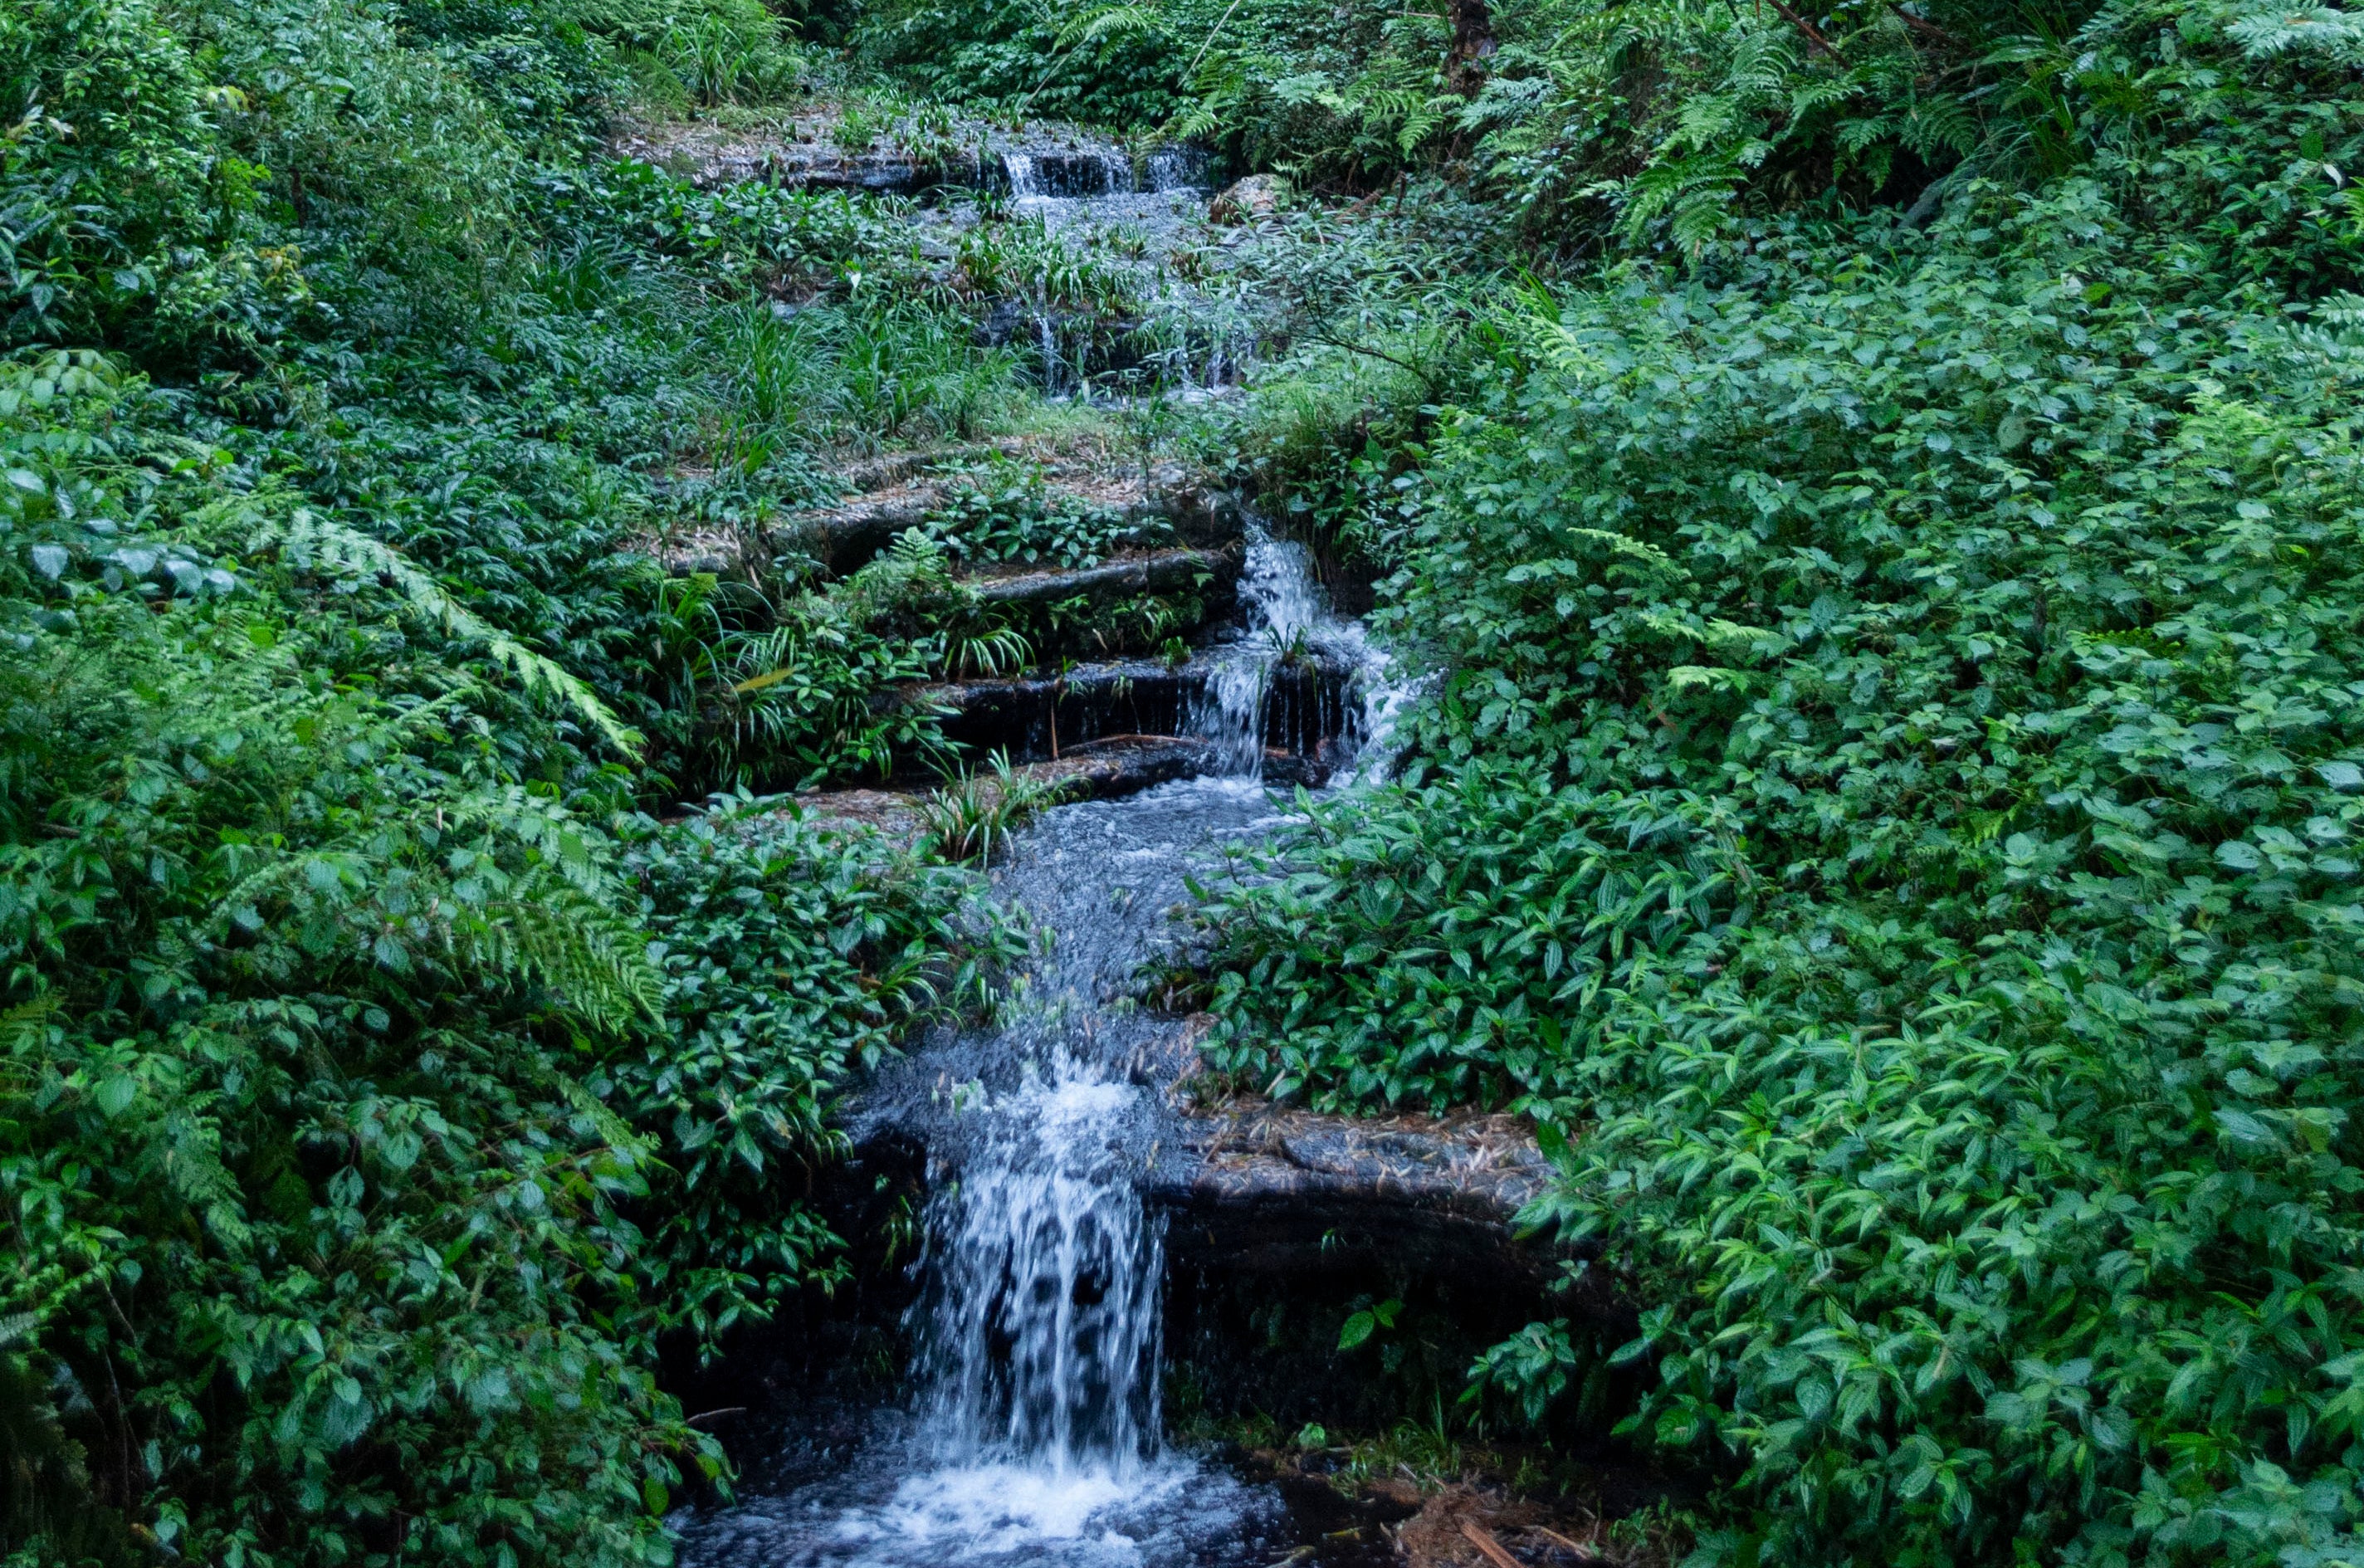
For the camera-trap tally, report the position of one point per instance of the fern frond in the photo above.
(2269, 31)
(613, 1130)
(309, 539)
(596, 963)
(2334, 310)
(1107, 21)
(18, 1024)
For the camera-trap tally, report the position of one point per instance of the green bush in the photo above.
(124, 215)
(1890, 806)
(1109, 64)
(1015, 518)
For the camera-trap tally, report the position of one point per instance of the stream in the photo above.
(1033, 1433)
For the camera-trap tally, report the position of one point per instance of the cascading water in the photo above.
(1289, 624)
(1036, 1435)
(1043, 1330)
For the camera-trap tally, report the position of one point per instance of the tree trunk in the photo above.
(1473, 44)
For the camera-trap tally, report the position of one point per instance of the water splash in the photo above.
(1178, 167)
(1288, 624)
(1042, 1334)
(1023, 174)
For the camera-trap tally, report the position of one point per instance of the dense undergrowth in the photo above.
(1875, 489)
(1887, 805)
(387, 1065)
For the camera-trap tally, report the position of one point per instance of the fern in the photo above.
(2267, 32)
(309, 540)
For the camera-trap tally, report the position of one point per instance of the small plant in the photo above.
(722, 58)
(963, 821)
(1013, 517)
(985, 655)
(1360, 1327)
(856, 130)
(1289, 645)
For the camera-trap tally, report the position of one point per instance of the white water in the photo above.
(1287, 618)
(1096, 187)
(1043, 1338)
(1035, 1436)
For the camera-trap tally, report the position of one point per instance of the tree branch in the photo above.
(1814, 34)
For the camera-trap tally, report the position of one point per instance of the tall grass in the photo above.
(860, 373)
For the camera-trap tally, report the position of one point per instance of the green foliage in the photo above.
(735, 898)
(1026, 260)
(1105, 64)
(1890, 798)
(1360, 1326)
(370, 1110)
(963, 821)
(287, 1136)
(799, 696)
(1014, 518)
(121, 211)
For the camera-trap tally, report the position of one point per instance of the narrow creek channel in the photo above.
(1034, 1432)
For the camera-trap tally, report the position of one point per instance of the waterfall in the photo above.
(1046, 343)
(1042, 1343)
(1033, 1438)
(1178, 167)
(1288, 622)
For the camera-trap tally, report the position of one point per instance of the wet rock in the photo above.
(1117, 765)
(1203, 514)
(1274, 1189)
(896, 492)
(846, 538)
(1248, 201)
(1282, 1223)
(1166, 572)
(806, 157)
(1306, 706)
(1037, 720)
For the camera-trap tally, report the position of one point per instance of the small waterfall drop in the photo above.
(1178, 167)
(1042, 1331)
(1046, 343)
(1292, 640)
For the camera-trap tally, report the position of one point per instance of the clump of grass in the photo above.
(964, 821)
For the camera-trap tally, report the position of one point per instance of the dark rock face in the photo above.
(1277, 1190)
(1165, 572)
(1034, 720)
(1282, 1223)
(849, 536)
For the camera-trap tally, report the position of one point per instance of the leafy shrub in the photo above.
(974, 811)
(338, 1060)
(1891, 801)
(1015, 517)
(122, 215)
(296, 1174)
(1103, 64)
(1025, 260)
(736, 897)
